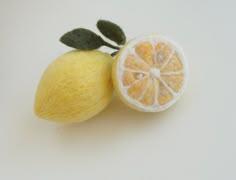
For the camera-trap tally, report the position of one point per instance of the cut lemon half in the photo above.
(150, 73)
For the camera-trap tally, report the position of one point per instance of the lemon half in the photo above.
(150, 73)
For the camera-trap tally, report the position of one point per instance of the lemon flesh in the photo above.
(75, 87)
(150, 73)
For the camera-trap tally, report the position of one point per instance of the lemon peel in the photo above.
(75, 87)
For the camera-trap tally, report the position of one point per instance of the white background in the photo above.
(193, 140)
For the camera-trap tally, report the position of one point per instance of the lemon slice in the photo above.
(150, 73)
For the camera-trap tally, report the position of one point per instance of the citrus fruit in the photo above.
(75, 87)
(150, 73)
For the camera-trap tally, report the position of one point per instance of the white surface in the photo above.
(195, 139)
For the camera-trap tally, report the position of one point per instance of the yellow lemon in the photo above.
(75, 87)
(150, 73)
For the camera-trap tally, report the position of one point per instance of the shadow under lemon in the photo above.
(114, 125)
(115, 122)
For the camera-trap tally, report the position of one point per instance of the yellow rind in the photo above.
(75, 87)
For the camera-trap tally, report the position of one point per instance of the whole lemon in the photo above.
(75, 87)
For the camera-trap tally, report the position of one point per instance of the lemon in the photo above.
(75, 87)
(150, 73)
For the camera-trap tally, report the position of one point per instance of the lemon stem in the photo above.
(114, 53)
(110, 45)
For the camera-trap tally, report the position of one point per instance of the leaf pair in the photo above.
(85, 39)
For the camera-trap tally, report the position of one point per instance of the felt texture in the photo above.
(75, 87)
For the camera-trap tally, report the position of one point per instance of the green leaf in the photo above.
(111, 31)
(83, 39)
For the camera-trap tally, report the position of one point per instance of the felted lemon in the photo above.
(75, 87)
(150, 73)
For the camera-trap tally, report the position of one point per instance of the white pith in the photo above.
(155, 72)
